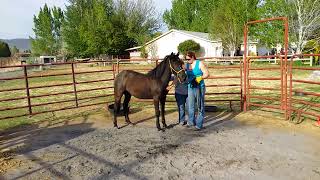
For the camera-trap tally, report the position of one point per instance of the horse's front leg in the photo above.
(157, 112)
(163, 103)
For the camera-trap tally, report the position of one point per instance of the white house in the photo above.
(252, 47)
(168, 42)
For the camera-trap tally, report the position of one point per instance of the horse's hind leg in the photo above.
(157, 111)
(126, 106)
(162, 103)
(116, 108)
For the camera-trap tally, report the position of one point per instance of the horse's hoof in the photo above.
(116, 127)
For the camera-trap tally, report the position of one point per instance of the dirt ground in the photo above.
(232, 146)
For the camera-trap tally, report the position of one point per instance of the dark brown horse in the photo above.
(147, 86)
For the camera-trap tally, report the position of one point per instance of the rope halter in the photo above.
(177, 72)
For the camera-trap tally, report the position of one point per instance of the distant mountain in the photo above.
(21, 44)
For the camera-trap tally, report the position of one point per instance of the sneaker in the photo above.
(197, 128)
(183, 123)
(189, 126)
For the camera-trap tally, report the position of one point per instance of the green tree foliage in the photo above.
(190, 15)
(4, 50)
(188, 45)
(271, 33)
(47, 27)
(228, 20)
(57, 20)
(134, 22)
(87, 28)
(304, 21)
(94, 27)
(73, 28)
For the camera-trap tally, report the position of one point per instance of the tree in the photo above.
(14, 50)
(47, 26)
(72, 28)
(188, 45)
(305, 22)
(190, 15)
(87, 28)
(57, 20)
(4, 50)
(271, 33)
(228, 20)
(94, 27)
(135, 22)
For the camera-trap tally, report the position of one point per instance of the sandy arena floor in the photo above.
(232, 146)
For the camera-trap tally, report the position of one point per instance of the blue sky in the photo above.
(16, 16)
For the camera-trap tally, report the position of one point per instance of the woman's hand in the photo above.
(204, 70)
(199, 79)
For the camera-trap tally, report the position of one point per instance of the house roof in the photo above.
(134, 48)
(199, 35)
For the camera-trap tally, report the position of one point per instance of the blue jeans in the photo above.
(196, 100)
(181, 103)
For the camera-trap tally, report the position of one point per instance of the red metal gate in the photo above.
(287, 103)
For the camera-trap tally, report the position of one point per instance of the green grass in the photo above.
(9, 123)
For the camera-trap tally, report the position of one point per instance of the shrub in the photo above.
(4, 50)
(188, 45)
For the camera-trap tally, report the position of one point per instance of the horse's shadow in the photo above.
(147, 118)
(211, 119)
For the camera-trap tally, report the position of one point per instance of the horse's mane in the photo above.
(159, 69)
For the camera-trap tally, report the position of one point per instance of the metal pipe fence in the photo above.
(220, 88)
(74, 83)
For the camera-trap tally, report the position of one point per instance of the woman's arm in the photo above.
(204, 70)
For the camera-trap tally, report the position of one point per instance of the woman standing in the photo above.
(197, 72)
(181, 95)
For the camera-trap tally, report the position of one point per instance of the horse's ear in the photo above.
(172, 54)
(177, 54)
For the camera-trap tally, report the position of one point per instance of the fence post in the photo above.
(27, 89)
(74, 84)
(311, 61)
(241, 85)
(118, 66)
(113, 71)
